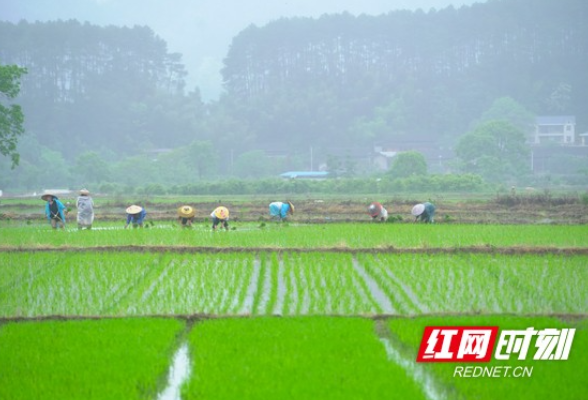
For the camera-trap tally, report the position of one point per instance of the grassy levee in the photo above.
(107, 359)
(550, 379)
(293, 358)
(275, 236)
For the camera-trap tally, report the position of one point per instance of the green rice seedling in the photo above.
(305, 236)
(122, 283)
(481, 283)
(273, 265)
(386, 278)
(259, 292)
(309, 357)
(290, 297)
(246, 267)
(74, 284)
(368, 296)
(105, 359)
(326, 283)
(201, 283)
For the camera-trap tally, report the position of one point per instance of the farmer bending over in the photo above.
(279, 210)
(135, 215)
(186, 216)
(220, 215)
(425, 212)
(377, 211)
(55, 211)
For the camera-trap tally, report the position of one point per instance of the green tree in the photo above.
(408, 163)
(495, 150)
(11, 116)
(253, 164)
(507, 109)
(387, 121)
(91, 168)
(203, 158)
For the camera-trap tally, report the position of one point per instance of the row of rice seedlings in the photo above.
(260, 293)
(482, 283)
(554, 283)
(17, 268)
(274, 268)
(73, 284)
(324, 284)
(198, 283)
(399, 293)
(310, 357)
(300, 283)
(424, 284)
(370, 289)
(549, 379)
(98, 359)
(307, 236)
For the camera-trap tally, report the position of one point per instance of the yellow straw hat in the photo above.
(186, 212)
(134, 209)
(221, 212)
(84, 192)
(291, 207)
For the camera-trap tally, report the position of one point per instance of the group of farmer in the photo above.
(425, 212)
(55, 211)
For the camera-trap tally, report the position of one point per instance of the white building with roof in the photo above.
(556, 129)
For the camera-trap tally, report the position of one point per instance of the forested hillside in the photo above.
(336, 86)
(91, 87)
(340, 79)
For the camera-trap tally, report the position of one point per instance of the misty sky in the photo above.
(201, 30)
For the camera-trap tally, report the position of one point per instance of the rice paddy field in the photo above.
(295, 310)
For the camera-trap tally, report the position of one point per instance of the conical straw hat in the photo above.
(221, 212)
(186, 212)
(134, 209)
(418, 210)
(45, 196)
(374, 209)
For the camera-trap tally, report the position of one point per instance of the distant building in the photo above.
(438, 158)
(555, 129)
(305, 175)
(383, 158)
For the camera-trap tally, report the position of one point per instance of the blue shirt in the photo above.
(60, 208)
(136, 218)
(279, 209)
